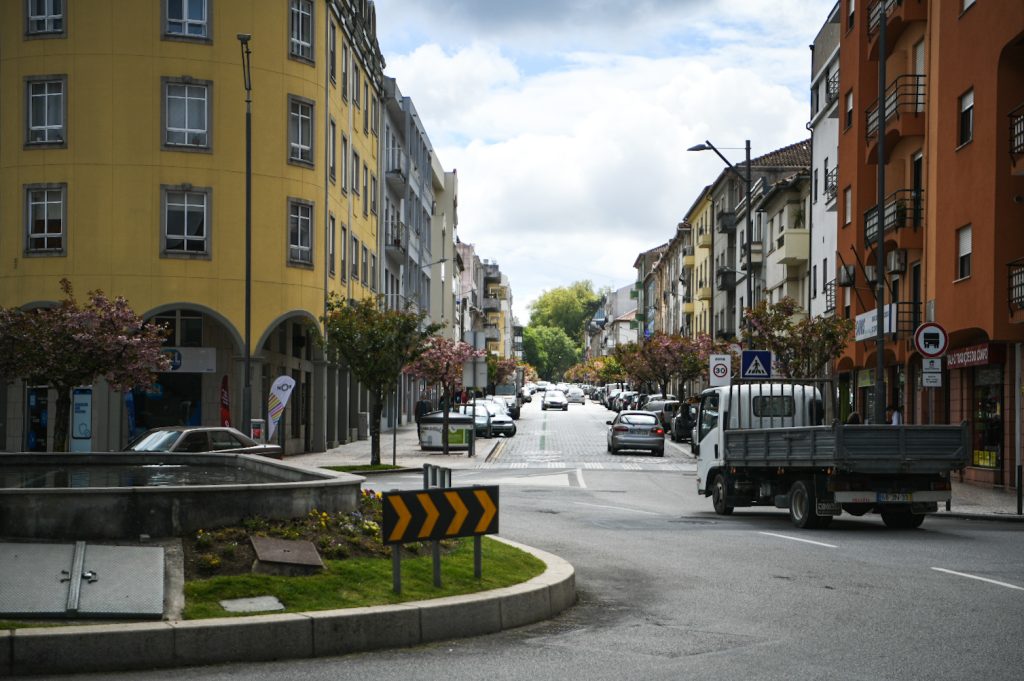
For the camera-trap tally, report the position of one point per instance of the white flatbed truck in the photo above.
(763, 444)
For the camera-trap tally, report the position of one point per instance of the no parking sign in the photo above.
(719, 370)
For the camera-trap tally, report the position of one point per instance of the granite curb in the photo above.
(150, 645)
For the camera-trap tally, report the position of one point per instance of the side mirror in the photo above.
(608, 423)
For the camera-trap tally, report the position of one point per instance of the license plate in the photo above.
(828, 508)
(892, 497)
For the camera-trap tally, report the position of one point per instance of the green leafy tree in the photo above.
(71, 345)
(376, 343)
(442, 362)
(549, 349)
(499, 370)
(804, 348)
(568, 308)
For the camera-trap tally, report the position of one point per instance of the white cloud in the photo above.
(571, 164)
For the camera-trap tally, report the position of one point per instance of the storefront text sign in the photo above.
(974, 356)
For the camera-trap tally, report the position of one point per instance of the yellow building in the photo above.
(700, 220)
(123, 167)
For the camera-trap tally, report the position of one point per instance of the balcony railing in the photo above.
(829, 292)
(1017, 132)
(903, 208)
(725, 280)
(832, 88)
(903, 95)
(1016, 285)
(726, 222)
(832, 183)
(908, 318)
(876, 10)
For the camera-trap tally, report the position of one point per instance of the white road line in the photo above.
(980, 579)
(806, 541)
(616, 508)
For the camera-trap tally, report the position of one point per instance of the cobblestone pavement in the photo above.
(577, 439)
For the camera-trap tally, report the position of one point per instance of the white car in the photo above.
(554, 399)
(576, 395)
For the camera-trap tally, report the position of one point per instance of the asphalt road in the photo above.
(668, 590)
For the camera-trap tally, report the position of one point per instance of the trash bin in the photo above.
(459, 428)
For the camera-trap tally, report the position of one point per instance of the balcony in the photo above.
(908, 318)
(1016, 289)
(703, 290)
(829, 292)
(1017, 140)
(832, 93)
(396, 241)
(899, 14)
(492, 304)
(726, 222)
(903, 208)
(792, 247)
(397, 171)
(688, 257)
(831, 188)
(756, 253)
(491, 272)
(725, 280)
(904, 113)
(491, 331)
(704, 239)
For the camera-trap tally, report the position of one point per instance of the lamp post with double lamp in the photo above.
(243, 39)
(750, 224)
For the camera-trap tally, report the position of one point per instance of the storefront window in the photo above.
(988, 417)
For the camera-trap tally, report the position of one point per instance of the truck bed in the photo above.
(870, 449)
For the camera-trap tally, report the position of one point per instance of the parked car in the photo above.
(621, 400)
(683, 423)
(576, 395)
(481, 418)
(636, 430)
(502, 422)
(196, 439)
(554, 399)
(664, 409)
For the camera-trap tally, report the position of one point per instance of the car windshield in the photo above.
(639, 419)
(555, 394)
(156, 441)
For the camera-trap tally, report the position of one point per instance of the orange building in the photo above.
(953, 139)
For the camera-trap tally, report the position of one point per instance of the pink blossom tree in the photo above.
(69, 345)
(441, 362)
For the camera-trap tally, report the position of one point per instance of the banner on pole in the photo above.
(280, 391)
(225, 402)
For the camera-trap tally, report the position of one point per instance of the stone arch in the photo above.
(236, 337)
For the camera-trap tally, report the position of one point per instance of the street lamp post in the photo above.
(750, 224)
(244, 38)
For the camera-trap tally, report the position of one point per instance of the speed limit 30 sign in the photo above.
(719, 370)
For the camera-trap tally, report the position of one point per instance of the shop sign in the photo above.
(973, 356)
(192, 360)
(867, 323)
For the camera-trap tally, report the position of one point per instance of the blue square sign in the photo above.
(756, 364)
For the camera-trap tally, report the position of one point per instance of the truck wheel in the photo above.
(902, 521)
(718, 494)
(801, 505)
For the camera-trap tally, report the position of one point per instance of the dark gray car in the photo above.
(636, 430)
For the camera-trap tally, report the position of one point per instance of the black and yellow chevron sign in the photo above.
(438, 513)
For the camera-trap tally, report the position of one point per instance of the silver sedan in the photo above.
(636, 430)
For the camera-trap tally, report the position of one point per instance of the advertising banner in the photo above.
(225, 402)
(280, 391)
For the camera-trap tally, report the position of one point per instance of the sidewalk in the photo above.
(969, 501)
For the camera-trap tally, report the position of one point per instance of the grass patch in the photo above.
(12, 624)
(365, 468)
(356, 582)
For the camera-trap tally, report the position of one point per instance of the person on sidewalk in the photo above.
(893, 416)
(423, 407)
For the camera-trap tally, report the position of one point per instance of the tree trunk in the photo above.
(446, 397)
(61, 421)
(376, 410)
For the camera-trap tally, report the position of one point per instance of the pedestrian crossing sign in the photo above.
(756, 364)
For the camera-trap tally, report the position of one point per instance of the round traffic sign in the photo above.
(720, 370)
(931, 339)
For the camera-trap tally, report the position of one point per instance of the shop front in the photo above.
(978, 394)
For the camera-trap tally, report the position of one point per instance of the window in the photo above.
(185, 328)
(366, 193)
(344, 251)
(187, 19)
(186, 114)
(45, 17)
(355, 84)
(963, 252)
(185, 220)
(344, 162)
(300, 131)
(847, 206)
(849, 14)
(373, 194)
(302, 29)
(366, 107)
(300, 232)
(331, 150)
(373, 271)
(47, 111)
(774, 406)
(366, 265)
(816, 185)
(966, 118)
(814, 281)
(344, 71)
(849, 108)
(332, 48)
(355, 172)
(46, 217)
(355, 257)
(330, 245)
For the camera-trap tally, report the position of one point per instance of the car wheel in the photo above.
(658, 452)
(719, 491)
(565, 408)
(801, 505)
(513, 432)
(608, 446)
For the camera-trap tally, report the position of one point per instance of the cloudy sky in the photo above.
(568, 120)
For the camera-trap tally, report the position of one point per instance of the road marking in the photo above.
(579, 479)
(616, 508)
(980, 579)
(806, 541)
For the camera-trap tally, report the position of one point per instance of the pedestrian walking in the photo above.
(853, 419)
(423, 407)
(893, 416)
